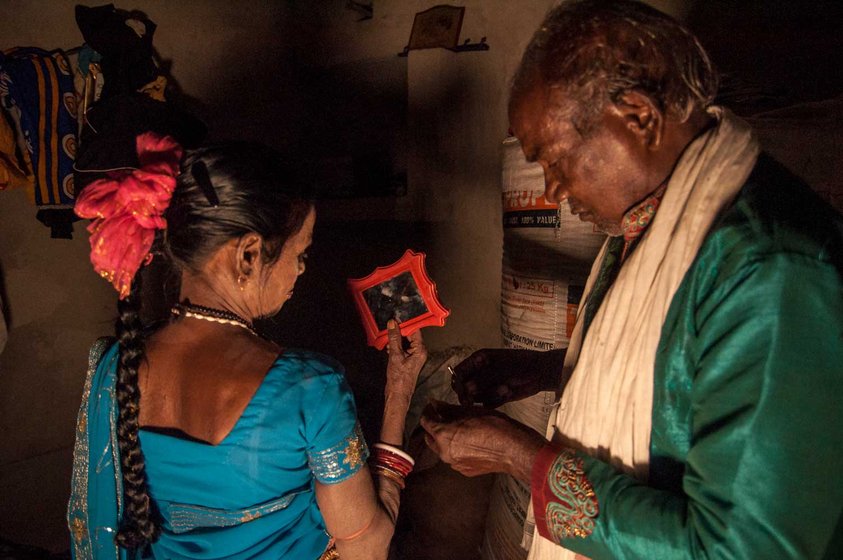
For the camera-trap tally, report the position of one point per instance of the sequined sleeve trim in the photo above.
(339, 461)
(564, 502)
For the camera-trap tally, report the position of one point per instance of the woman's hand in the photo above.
(402, 373)
(404, 365)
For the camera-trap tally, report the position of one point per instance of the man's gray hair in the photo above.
(596, 50)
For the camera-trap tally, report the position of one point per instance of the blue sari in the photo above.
(250, 496)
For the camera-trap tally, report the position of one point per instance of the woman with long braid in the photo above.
(202, 439)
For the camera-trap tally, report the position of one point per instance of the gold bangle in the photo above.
(390, 474)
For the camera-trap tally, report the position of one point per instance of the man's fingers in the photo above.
(431, 443)
(466, 471)
(467, 391)
(464, 383)
(430, 428)
(479, 360)
(428, 424)
(492, 402)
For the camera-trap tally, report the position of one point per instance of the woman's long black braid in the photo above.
(139, 525)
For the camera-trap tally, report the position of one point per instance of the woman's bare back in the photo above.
(199, 377)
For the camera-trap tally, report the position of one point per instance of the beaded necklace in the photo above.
(213, 315)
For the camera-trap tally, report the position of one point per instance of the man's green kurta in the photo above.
(747, 430)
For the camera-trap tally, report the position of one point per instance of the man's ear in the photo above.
(248, 254)
(642, 117)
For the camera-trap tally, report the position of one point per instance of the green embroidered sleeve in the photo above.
(747, 444)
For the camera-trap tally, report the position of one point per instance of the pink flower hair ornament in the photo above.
(127, 209)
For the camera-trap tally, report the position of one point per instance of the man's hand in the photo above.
(494, 376)
(476, 441)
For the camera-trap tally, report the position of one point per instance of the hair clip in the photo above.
(200, 175)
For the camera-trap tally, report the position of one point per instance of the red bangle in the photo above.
(392, 450)
(393, 458)
(396, 463)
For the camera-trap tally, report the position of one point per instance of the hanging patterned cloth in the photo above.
(36, 89)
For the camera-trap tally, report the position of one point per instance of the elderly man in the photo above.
(702, 413)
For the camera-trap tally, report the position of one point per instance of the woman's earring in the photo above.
(241, 282)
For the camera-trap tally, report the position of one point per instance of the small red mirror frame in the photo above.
(401, 291)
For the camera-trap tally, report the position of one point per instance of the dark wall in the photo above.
(773, 53)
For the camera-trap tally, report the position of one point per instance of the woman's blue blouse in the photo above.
(252, 495)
